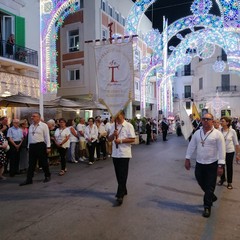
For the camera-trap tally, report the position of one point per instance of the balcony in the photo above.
(187, 73)
(229, 88)
(19, 53)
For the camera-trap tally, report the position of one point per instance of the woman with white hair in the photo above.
(53, 155)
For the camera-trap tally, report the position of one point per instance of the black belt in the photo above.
(36, 143)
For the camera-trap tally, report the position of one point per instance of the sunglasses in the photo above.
(207, 119)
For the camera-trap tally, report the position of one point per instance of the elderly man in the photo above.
(15, 138)
(122, 135)
(39, 146)
(210, 146)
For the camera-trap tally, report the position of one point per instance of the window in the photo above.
(110, 11)
(200, 83)
(188, 105)
(225, 82)
(104, 34)
(117, 16)
(187, 91)
(74, 40)
(137, 85)
(224, 56)
(74, 75)
(123, 21)
(103, 5)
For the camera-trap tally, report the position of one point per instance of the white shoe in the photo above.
(81, 159)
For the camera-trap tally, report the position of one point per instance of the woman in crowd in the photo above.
(91, 136)
(62, 135)
(3, 148)
(73, 141)
(53, 155)
(101, 142)
(231, 142)
(23, 163)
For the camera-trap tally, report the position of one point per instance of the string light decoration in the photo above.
(201, 7)
(52, 16)
(219, 65)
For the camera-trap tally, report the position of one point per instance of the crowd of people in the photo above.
(24, 147)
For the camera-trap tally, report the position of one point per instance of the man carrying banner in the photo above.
(122, 135)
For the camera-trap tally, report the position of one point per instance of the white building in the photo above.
(209, 89)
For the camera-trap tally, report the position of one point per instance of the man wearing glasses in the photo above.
(210, 146)
(39, 147)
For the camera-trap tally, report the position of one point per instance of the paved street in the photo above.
(164, 202)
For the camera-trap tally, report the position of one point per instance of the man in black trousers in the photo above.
(39, 147)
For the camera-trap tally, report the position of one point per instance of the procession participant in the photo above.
(231, 142)
(122, 135)
(210, 146)
(61, 138)
(15, 139)
(39, 147)
(91, 136)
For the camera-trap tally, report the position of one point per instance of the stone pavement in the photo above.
(164, 202)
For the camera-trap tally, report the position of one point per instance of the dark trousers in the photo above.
(101, 146)
(63, 155)
(38, 152)
(164, 135)
(91, 150)
(14, 158)
(206, 175)
(121, 171)
(229, 165)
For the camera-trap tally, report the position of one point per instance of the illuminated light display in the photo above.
(201, 7)
(219, 66)
(201, 44)
(52, 16)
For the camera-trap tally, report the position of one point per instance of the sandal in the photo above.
(61, 173)
(229, 186)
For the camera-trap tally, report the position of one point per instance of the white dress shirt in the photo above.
(39, 133)
(231, 139)
(210, 147)
(124, 150)
(91, 133)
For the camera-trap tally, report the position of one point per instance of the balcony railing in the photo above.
(18, 53)
(226, 88)
(187, 73)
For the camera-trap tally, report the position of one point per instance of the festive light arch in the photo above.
(52, 16)
(201, 18)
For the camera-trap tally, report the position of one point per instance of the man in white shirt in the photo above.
(39, 146)
(122, 136)
(210, 146)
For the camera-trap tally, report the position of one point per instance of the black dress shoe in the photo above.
(206, 212)
(47, 179)
(119, 200)
(25, 183)
(214, 199)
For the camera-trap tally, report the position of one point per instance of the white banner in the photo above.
(185, 121)
(114, 65)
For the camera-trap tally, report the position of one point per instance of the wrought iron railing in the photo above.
(18, 53)
(232, 88)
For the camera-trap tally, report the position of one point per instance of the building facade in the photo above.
(19, 60)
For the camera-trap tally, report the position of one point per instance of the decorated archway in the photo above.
(200, 18)
(52, 16)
